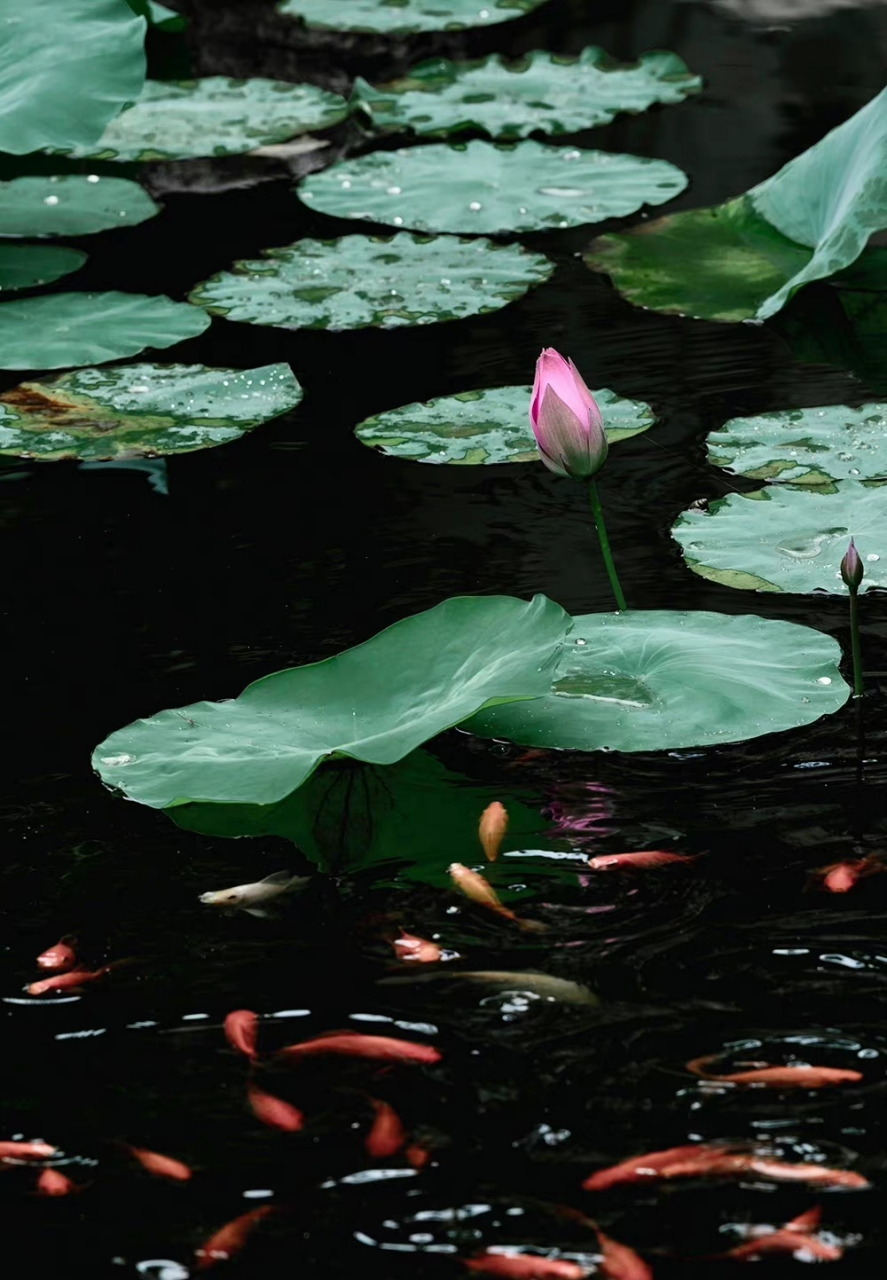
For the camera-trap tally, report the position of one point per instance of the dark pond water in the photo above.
(119, 600)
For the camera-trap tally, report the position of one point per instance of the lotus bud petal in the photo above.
(852, 570)
(565, 419)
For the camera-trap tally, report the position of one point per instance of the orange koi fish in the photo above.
(416, 950)
(60, 957)
(387, 1136)
(619, 1262)
(230, 1239)
(524, 1266)
(642, 861)
(493, 825)
(840, 877)
(241, 1032)
(26, 1150)
(161, 1166)
(479, 890)
(53, 1183)
(274, 1111)
(357, 1045)
(648, 1166)
(778, 1077)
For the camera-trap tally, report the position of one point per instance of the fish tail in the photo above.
(531, 926)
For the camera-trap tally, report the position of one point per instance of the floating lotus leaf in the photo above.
(650, 681)
(58, 330)
(165, 19)
(24, 265)
(541, 92)
(357, 281)
(182, 119)
(805, 446)
(788, 538)
(71, 205)
(480, 188)
(406, 16)
(746, 258)
(139, 410)
(484, 426)
(66, 68)
(376, 702)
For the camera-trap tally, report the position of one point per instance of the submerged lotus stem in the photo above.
(601, 527)
(852, 572)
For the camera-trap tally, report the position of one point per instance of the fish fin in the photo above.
(259, 912)
(532, 926)
(278, 877)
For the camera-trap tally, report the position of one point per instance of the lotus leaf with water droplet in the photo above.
(805, 446)
(71, 204)
(405, 17)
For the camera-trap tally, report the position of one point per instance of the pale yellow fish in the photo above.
(479, 890)
(493, 825)
(254, 897)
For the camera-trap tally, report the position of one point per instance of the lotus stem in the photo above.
(858, 686)
(598, 514)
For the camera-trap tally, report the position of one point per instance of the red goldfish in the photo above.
(26, 1150)
(161, 1166)
(354, 1044)
(231, 1238)
(816, 1175)
(840, 877)
(493, 825)
(416, 950)
(241, 1031)
(779, 1077)
(640, 1168)
(619, 1262)
(60, 957)
(53, 1183)
(274, 1111)
(479, 890)
(524, 1266)
(795, 1237)
(65, 981)
(387, 1136)
(637, 861)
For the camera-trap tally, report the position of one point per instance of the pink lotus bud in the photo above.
(566, 421)
(852, 570)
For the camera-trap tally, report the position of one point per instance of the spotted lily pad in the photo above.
(22, 266)
(71, 204)
(746, 258)
(480, 188)
(541, 92)
(358, 281)
(484, 426)
(141, 410)
(651, 681)
(805, 446)
(66, 68)
(788, 538)
(376, 702)
(184, 119)
(59, 330)
(404, 17)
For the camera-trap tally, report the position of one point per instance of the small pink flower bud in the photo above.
(852, 570)
(565, 419)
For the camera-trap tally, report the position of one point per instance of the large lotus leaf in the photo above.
(66, 68)
(140, 410)
(746, 258)
(350, 816)
(71, 205)
(480, 188)
(484, 426)
(650, 681)
(805, 446)
(376, 702)
(357, 281)
(58, 330)
(183, 119)
(788, 538)
(24, 265)
(541, 92)
(405, 17)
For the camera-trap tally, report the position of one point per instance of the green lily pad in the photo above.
(59, 330)
(478, 188)
(71, 204)
(746, 258)
(541, 92)
(24, 265)
(805, 446)
(165, 19)
(654, 681)
(184, 119)
(487, 427)
(405, 17)
(66, 68)
(376, 702)
(140, 410)
(359, 281)
(788, 538)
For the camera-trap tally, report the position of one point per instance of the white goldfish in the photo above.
(252, 897)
